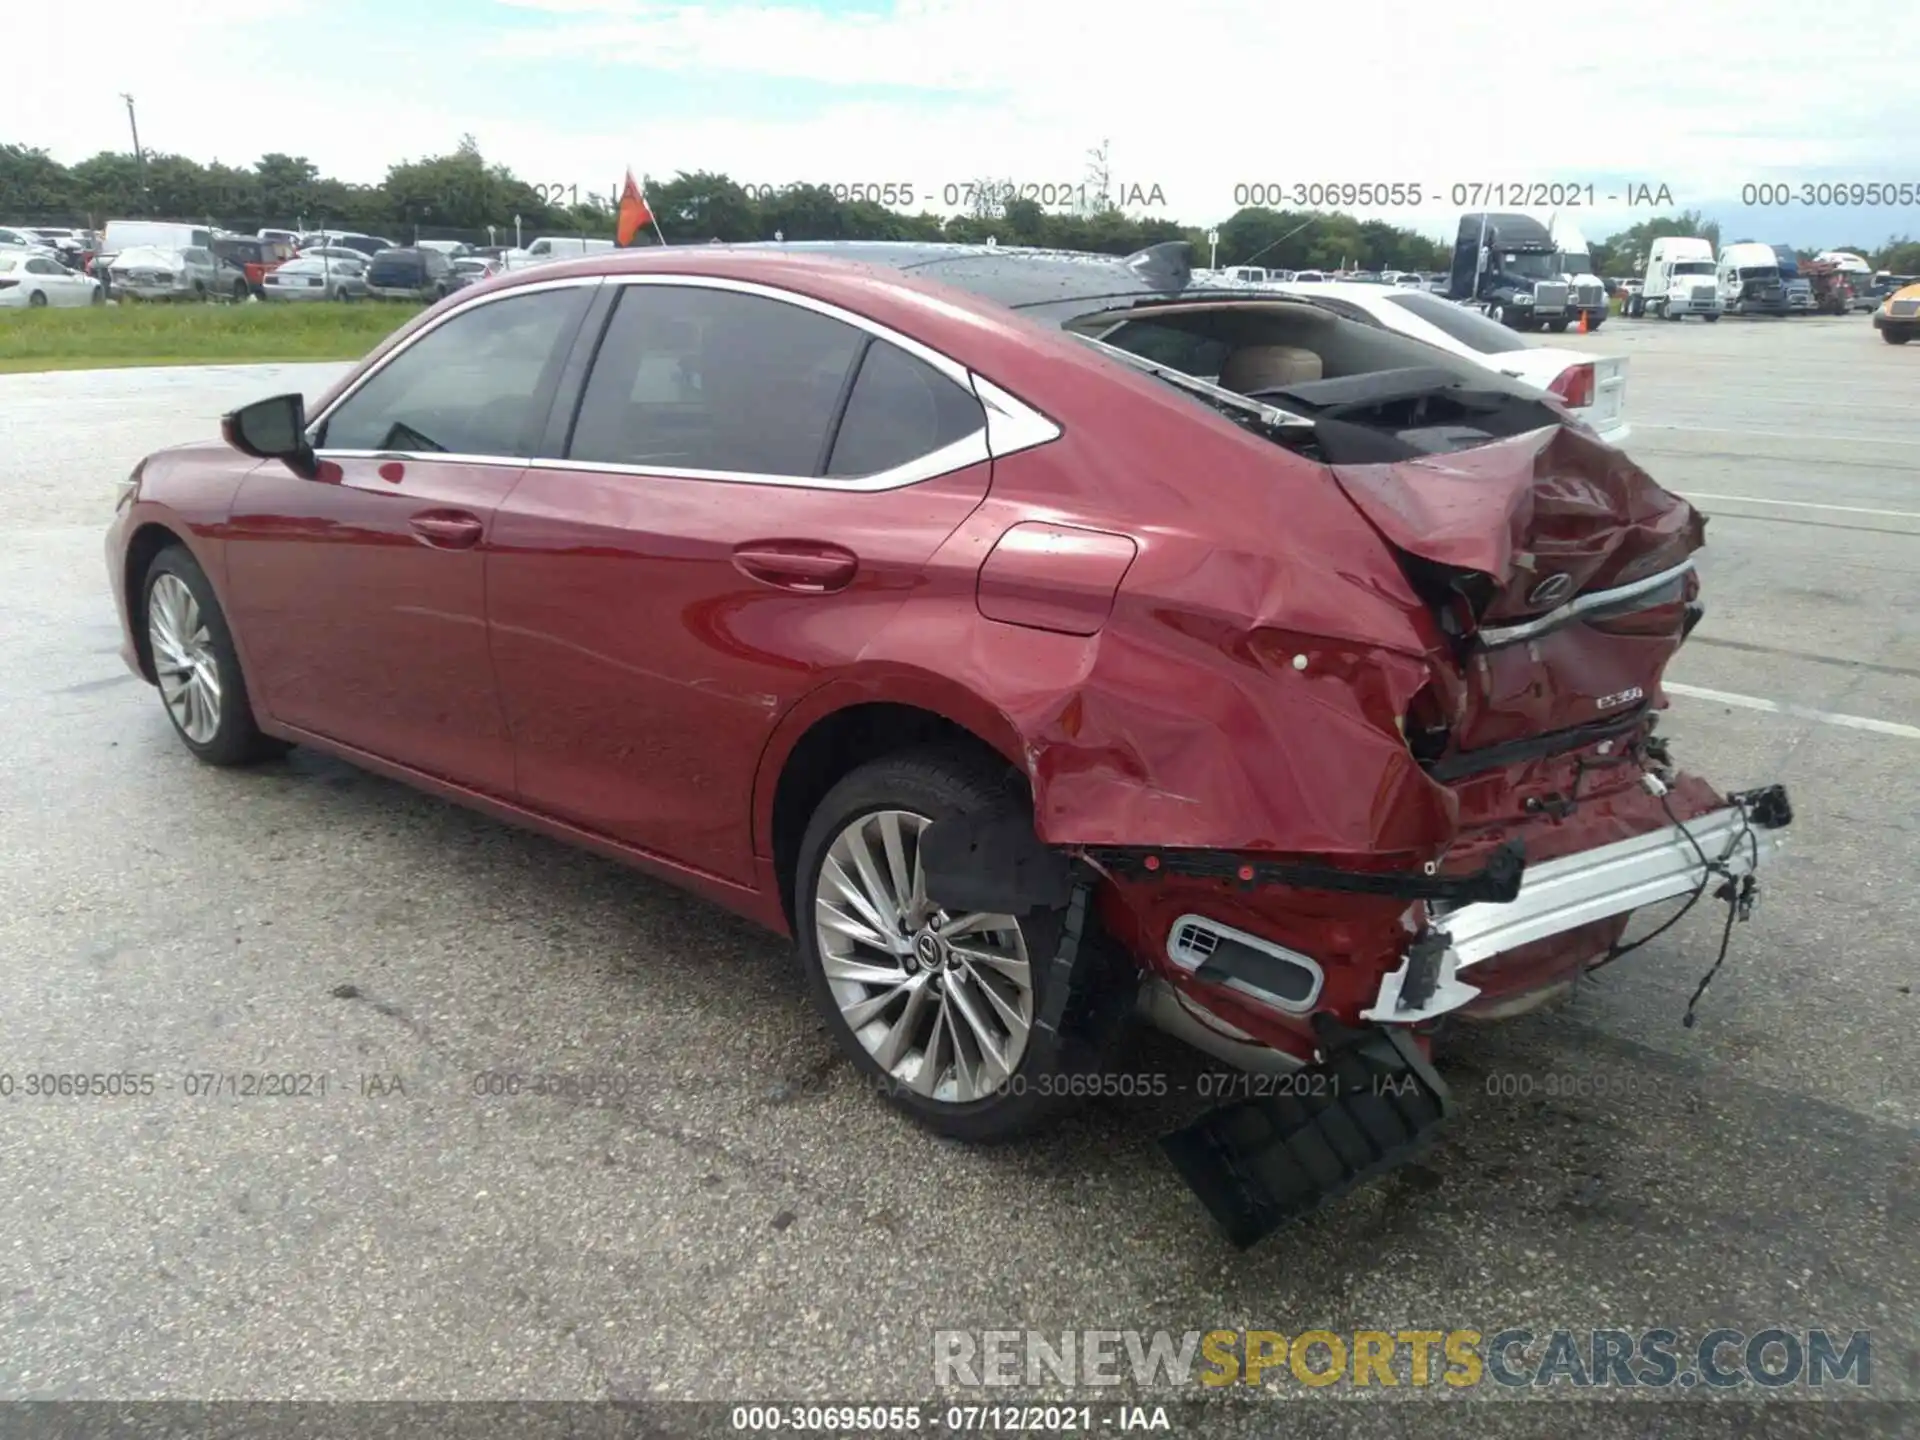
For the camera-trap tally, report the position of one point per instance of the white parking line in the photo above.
(1780, 707)
(1803, 504)
(1773, 434)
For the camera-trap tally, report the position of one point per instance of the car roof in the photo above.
(1050, 285)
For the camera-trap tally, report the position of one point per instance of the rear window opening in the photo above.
(1332, 389)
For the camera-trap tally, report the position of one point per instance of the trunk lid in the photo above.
(1541, 366)
(1559, 571)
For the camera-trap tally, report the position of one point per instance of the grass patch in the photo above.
(187, 334)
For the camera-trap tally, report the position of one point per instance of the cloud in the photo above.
(1198, 97)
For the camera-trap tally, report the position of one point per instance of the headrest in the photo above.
(1268, 367)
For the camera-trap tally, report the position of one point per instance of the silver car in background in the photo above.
(152, 272)
(315, 277)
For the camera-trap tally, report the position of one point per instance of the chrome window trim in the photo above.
(443, 457)
(1011, 425)
(968, 450)
(1597, 600)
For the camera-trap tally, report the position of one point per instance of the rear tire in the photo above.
(1896, 337)
(37, 300)
(196, 665)
(935, 1011)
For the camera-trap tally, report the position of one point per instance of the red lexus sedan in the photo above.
(1038, 639)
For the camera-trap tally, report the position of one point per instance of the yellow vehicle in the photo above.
(1898, 318)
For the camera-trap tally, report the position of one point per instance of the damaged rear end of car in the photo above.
(1366, 742)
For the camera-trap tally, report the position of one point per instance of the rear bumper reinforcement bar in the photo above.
(1558, 895)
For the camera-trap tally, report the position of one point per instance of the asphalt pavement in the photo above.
(729, 1215)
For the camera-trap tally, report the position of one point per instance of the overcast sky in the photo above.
(1194, 96)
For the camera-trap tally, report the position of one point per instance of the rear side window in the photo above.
(1469, 327)
(1188, 351)
(694, 379)
(900, 409)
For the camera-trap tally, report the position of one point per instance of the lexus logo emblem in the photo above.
(1552, 590)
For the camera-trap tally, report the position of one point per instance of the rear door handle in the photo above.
(806, 566)
(448, 529)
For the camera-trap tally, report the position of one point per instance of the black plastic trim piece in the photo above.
(1492, 757)
(996, 864)
(1767, 807)
(1424, 958)
(1287, 979)
(1372, 1104)
(1088, 996)
(1498, 880)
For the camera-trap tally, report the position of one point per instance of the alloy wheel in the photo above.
(942, 1003)
(183, 658)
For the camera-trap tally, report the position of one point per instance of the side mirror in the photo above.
(273, 429)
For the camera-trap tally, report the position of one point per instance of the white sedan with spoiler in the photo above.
(1593, 387)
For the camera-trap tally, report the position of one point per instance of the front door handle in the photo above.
(448, 529)
(807, 566)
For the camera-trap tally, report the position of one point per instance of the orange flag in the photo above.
(634, 214)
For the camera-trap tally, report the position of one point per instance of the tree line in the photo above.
(461, 195)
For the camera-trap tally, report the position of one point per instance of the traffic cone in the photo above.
(1583, 323)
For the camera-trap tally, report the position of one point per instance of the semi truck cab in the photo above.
(1749, 280)
(1680, 281)
(1509, 266)
(1587, 292)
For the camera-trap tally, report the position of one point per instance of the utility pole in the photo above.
(139, 155)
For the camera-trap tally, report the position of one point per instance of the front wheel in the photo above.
(1710, 319)
(1497, 314)
(196, 665)
(240, 292)
(1557, 326)
(936, 1010)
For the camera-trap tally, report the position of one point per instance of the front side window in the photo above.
(690, 378)
(477, 384)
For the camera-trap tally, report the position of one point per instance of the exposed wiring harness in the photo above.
(1736, 890)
